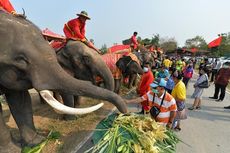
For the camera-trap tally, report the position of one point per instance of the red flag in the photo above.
(215, 43)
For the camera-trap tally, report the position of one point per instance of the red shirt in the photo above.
(6, 5)
(74, 29)
(223, 76)
(146, 79)
(134, 41)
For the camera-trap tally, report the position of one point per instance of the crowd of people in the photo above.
(162, 89)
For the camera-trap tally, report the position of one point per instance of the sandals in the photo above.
(177, 129)
(191, 108)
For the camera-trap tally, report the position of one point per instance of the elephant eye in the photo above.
(21, 60)
(86, 59)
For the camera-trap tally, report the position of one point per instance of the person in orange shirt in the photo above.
(75, 29)
(134, 42)
(160, 99)
(144, 85)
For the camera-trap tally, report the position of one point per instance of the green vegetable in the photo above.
(38, 148)
(135, 133)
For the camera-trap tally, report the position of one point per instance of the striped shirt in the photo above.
(169, 104)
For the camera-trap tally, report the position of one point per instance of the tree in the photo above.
(196, 42)
(153, 41)
(104, 49)
(168, 44)
(224, 48)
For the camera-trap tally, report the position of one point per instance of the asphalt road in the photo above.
(205, 131)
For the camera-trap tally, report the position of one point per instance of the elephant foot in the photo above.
(69, 117)
(36, 140)
(10, 148)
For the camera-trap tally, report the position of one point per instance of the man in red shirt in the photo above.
(134, 42)
(221, 82)
(75, 29)
(7, 6)
(144, 85)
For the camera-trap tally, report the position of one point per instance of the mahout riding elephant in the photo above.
(85, 64)
(27, 61)
(121, 67)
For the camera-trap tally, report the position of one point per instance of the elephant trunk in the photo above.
(106, 75)
(63, 82)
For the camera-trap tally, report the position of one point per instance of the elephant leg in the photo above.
(6, 143)
(77, 101)
(68, 100)
(21, 109)
(58, 97)
(132, 79)
(5, 137)
(117, 85)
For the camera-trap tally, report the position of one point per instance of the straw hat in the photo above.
(84, 14)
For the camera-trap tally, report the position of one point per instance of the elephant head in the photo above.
(128, 66)
(84, 63)
(27, 61)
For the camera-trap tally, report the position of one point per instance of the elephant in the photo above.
(27, 61)
(146, 57)
(85, 64)
(123, 66)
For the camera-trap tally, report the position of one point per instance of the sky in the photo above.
(115, 20)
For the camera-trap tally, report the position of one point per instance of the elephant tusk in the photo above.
(47, 96)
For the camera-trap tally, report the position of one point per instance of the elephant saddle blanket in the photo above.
(110, 60)
(134, 57)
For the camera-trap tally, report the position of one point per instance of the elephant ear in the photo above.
(123, 62)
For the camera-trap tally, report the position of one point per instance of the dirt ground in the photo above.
(72, 132)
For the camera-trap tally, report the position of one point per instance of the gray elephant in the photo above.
(85, 64)
(27, 61)
(123, 66)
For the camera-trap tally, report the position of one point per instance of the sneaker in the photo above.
(212, 97)
(227, 107)
(219, 100)
(198, 107)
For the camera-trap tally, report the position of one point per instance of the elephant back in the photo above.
(134, 58)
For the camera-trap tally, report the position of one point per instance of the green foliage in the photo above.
(2, 99)
(104, 49)
(131, 133)
(153, 41)
(168, 44)
(53, 135)
(224, 48)
(196, 42)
